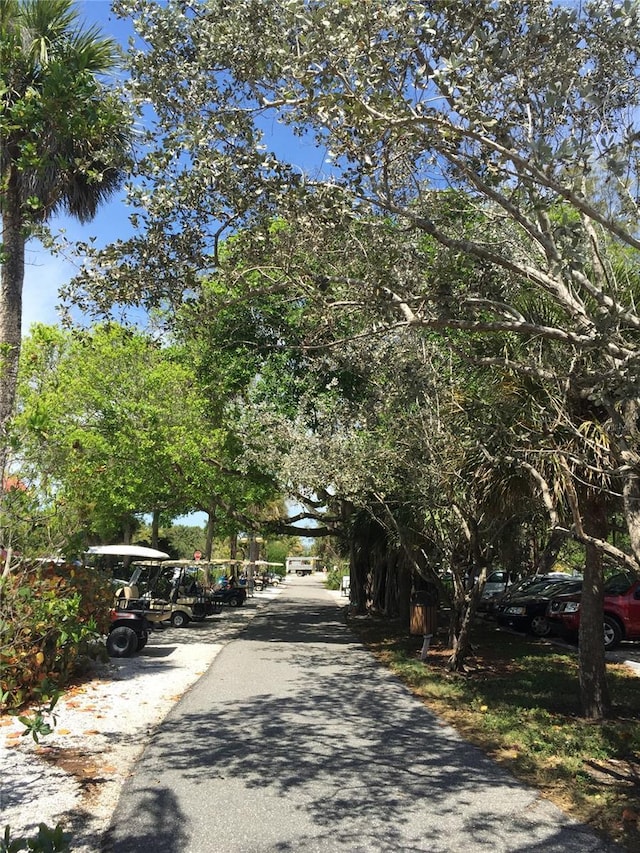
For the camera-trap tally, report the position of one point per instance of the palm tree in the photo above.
(64, 139)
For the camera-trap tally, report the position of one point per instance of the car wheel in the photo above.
(612, 634)
(539, 626)
(122, 642)
(179, 619)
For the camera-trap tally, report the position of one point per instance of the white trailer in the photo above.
(301, 565)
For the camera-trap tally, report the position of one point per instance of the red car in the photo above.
(621, 611)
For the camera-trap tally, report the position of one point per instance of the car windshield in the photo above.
(540, 587)
(561, 587)
(618, 584)
(533, 587)
(523, 586)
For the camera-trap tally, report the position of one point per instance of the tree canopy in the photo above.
(504, 133)
(64, 139)
(469, 247)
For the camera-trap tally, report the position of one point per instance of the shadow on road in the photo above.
(339, 756)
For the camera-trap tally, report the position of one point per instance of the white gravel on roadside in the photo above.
(74, 775)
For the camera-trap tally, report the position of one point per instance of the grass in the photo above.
(519, 702)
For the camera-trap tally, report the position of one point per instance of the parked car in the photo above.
(519, 587)
(621, 611)
(526, 610)
(496, 585)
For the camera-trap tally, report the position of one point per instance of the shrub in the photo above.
(334, 578)
(46, 841)
(50, 619)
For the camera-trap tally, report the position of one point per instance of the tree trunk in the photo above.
(594, 692)
(462, 640)
(11, 283)
(155, 528)
(379, 565)
(233, 547)
(631, 495)
(359, 574)
(254, 552)
(390, 586)
(211, 526)
(404, 591)
(549, 554)
(457, 606)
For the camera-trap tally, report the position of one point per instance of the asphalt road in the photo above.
(296, 741)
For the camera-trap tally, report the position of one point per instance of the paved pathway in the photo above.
(296, 741)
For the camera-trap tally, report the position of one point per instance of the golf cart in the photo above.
(187, 598)
(263, 577)
(220, 583)
(128, 633)
(132, 615)
(227, 586)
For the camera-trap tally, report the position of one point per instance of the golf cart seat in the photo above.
(128, 597)
(154, 609)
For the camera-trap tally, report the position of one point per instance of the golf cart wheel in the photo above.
(539, 626)
(235, 601)
(612, 633)
(179, 619)
(122, 642)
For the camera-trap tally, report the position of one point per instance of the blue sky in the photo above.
(44, 274)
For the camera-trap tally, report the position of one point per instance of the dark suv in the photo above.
(527, 610)
(621, 611)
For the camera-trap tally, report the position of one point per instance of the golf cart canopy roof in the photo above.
(128, 551)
